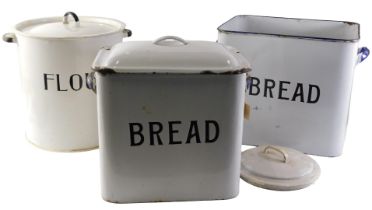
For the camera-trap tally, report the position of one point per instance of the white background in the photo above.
(31, 178)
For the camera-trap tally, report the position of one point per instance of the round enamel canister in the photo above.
(55, 55)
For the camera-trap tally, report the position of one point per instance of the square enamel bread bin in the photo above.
(170, 117)
(303, 73)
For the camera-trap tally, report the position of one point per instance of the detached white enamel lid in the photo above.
(70, 26)
(170, 54)
(278, 168)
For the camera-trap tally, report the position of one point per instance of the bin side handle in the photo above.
(363, 53)
(91, 82)
(10, 37)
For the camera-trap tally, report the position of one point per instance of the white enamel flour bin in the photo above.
(170, 116)
(300, 90)
(55, 57)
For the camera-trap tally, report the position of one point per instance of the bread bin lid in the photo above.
(69, 26)
(170, 54)
(278, 168)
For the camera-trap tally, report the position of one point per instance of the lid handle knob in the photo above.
(72, 14)
(283, 154)
(158, 41)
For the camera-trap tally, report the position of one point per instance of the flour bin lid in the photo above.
(70, 26)
(170, 54)
(278, 168)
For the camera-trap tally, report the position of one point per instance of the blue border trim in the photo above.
(220, 29)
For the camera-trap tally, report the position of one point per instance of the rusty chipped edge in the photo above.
(106, 71)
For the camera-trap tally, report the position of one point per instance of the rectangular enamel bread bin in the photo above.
(300, 90)
(170, 118)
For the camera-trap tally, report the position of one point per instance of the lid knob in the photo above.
(162, 40)
(283, 154)
(72, 14)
